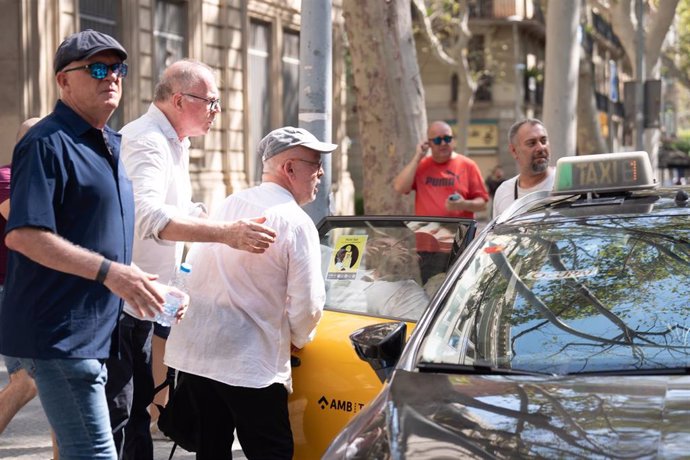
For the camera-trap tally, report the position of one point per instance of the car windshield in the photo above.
(573, 296)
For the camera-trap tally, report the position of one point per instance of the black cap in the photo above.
(83, 45)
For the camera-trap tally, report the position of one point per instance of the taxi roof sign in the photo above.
(603, 173)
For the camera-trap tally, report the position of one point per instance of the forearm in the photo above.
(52, 251)
(474, 205)
(244, 234)
(404, 180)
(193, 229)
(126, 281)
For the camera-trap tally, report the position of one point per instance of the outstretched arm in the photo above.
(245, 234)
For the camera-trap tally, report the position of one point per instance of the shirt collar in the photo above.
(276, 189)
(74, 122)
(159, 117)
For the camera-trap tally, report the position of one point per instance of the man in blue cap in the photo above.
(70, 238)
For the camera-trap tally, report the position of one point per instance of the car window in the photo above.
(584, 295)
(386, 268)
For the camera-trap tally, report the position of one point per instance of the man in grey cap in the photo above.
(70, 239)
(233, 348)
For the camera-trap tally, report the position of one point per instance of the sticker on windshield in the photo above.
(561, 275)
(346, 257)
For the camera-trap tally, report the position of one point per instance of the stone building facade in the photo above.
(252, 45)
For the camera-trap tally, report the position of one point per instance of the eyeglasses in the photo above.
(99, 70)
(315, 163)
(438, 139)
(213, 104)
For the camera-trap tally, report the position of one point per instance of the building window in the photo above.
(259, 73)
(103, 16)
(290, 77)
(170, 33)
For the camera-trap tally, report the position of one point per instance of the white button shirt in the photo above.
(157, 162)
(246, 309)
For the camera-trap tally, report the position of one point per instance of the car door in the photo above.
(382, 268)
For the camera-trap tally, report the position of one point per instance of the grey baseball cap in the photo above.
(83, 45)
(281, 139)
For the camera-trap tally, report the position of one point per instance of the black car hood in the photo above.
(452, 416)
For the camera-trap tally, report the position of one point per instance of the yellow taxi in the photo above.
(376, 268)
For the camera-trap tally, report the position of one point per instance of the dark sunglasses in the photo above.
(99, 70)
(438, 139)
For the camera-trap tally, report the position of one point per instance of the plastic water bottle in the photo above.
(173, 300)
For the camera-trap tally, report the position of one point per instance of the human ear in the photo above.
(61, 79)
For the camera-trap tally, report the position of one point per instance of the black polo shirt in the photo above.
(65, 180)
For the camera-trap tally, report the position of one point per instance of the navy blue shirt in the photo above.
(67, 178)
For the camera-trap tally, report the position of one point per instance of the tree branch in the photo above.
(419, 14)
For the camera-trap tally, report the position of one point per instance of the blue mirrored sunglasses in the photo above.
(99, 70)
(438, 139)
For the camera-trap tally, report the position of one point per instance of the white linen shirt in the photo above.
(505, 193)
(157, 163)
(247, 309)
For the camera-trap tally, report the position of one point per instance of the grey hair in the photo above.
(179, 76)
(512, 132)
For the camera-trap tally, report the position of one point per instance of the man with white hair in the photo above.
(248, 312)
(155, 152)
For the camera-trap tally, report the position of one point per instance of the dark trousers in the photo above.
(129, 390)
(260, 416)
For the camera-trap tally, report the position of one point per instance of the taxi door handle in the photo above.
(295, 361)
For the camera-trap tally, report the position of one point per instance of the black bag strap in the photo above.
(170, 383)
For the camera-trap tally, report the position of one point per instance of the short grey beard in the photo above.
(540, 167)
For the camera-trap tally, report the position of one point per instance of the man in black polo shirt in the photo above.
(70, 238)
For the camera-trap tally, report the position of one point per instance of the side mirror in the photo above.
(380, 345)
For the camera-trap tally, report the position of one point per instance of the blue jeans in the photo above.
(72, 392)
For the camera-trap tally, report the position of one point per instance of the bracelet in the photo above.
(103, 270)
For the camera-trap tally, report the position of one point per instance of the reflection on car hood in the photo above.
(452, 416)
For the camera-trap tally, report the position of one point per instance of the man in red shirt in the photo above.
(445, 182)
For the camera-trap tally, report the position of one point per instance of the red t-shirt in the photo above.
(434, 182)
(4, 195)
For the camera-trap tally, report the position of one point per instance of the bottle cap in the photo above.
(185, 267)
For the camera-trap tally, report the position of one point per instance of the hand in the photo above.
(422, 150)
(455, 205)
(183, 305)
(294, 349)
(250, 235)
(135, 287)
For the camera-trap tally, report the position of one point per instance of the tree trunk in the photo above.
(658, 22)
(561, 75)
(389, 96)
(468, 86)
(589, 137)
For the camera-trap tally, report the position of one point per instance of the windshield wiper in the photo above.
(474, 369)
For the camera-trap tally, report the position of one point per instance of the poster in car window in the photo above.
(346, 257)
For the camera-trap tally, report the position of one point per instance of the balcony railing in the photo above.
(502, 9)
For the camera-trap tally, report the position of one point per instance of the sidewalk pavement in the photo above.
(28, 436)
